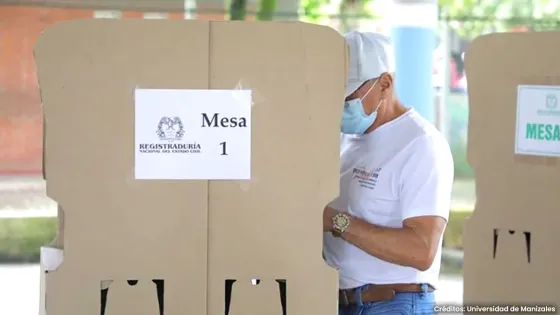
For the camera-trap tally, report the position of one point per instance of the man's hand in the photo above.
(328, 215)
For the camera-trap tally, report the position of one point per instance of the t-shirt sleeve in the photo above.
(340, 204)
(426, 179)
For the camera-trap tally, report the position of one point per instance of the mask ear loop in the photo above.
(379, 105)
(371, 88)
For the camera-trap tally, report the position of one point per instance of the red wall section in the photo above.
(20, 104)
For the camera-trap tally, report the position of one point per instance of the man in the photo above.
(384, 232)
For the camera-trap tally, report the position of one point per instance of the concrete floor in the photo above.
(19, 290)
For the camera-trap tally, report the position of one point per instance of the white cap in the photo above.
(371, 55)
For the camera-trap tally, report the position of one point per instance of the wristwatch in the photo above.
(341, 222)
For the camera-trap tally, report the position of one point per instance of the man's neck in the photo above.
(390, 114)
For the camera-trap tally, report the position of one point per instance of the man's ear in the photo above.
(386, 81)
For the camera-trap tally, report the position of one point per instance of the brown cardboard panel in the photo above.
(493, 89)
(319, 72)
(143, 292)
(508, 265)
(116, 228)
(196, 236)
(272, 228)
(511, 238)
(58, 242)
(256, 297)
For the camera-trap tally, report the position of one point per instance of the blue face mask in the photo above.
(354, 119)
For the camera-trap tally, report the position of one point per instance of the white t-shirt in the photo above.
(402, 169)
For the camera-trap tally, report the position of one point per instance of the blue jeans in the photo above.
(415, 303)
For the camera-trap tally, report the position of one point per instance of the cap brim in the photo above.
(351, 88)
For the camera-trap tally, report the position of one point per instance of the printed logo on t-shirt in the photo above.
(366, 179)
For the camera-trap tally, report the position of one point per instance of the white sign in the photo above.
(192, 134)
(538, 120)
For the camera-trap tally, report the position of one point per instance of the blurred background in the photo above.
(28, 217)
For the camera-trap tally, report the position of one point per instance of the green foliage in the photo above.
(348, 11)
(462, 167)
(453, 236)
(475, 17)
(20, 239)
(266, 10)
(311, 9)
(238, 10)
(469, 18)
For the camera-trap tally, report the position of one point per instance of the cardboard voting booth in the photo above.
(514, 143)
(191, 162)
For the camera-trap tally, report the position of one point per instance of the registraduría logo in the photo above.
(170, 128)
(170, 132)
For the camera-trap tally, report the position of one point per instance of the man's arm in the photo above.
(414, 245)
(425, 197)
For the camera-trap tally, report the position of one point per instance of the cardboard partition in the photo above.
(514, 144)
(127, 146)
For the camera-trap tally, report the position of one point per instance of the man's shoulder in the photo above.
(431, 145)
(423, 134)
(426, 146)
(427, 155)
(431, 153)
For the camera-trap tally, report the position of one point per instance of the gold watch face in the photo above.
(341, 221)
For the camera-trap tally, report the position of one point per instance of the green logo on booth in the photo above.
(551, 101)
(541, 131)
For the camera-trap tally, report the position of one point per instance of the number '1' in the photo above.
(224, 149)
